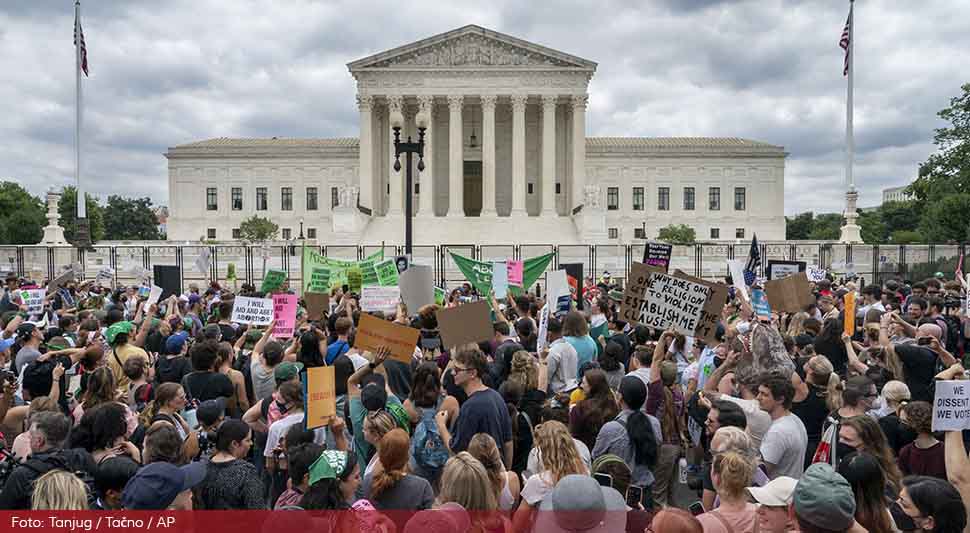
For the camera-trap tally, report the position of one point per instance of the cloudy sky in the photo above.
(166, 73)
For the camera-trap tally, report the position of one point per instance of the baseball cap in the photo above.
(286, 371)
(155, 486)
(175, 342)
(579, 503)
(824, 499)
(373, 396)
(212, 331)
(777, 493)
(210, 410)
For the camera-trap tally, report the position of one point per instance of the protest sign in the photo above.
(60, 281)
(320, 396)
(284, 312)
(154, 294)
(635, 290)
(500, 279)
(319, 280)
(142, 275)
(373, 332)
(254, 311)
(542, 340)
(951, 406)
(316, 304)
(574, 279)
(203, 262)
(815, 273)
(673, 303)
(479, 273)
(144, 291)
(707, 327)
(439, 296)
(272, 281)
(848, 326)
(169, 278)
(387, 273)
(402, 263)
(789, 295)
(515, 269)
(383, 299)
(782, 269)
(465, 323)
(34, 300)
(557, 291)
(355, 279)
(736, 268)
(657, 254)
(105, 276)
(759, 301)
(417, 287)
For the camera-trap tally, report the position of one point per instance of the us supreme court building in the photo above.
(507, 160)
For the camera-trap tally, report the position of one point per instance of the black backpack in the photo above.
(59, 462)
(954, 335)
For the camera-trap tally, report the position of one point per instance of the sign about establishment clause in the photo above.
(951, 406)
(673, 303)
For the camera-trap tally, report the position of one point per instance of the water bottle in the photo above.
(682, 466)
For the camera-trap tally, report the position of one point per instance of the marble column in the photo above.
(426, 198)
(488, 155)
(395, 104)
(456, 169)
(579, 149)
(518, 154)
(365, 173)
(549, 155)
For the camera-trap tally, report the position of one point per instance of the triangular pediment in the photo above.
(471, 47)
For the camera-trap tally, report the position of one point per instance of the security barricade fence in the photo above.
(872, 263)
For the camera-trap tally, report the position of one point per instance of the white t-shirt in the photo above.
(534, 463)
(784, 446)
(279, 428)
(758, 421)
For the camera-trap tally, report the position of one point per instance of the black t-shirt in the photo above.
(202, 386)
(627, 346)
(897, 435)
(919, 364)
(483, 412)
(812, 411)
(171, 369)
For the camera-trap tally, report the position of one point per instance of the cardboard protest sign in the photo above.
(657, 254)
(635, 290)
(782, 269)
(317, 303)
(383, 299)
(815, 273)
(60, 281)
(759, 301)
(203, 262)
(542, 340)
(320, 396)
(848, 326)
(254, 311)
(736, 268)
(465, 323)
(515, 269)
(791, 294)
(707, 327)
(673, 303)
(951, 406)
(417, 287)
(272, 281)
(105, 276)
(500, 279)
(373, 332)
(34, 300)
(387, 273)
(284, 312)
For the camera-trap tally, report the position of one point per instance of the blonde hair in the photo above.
(524, 370)
(735, 472)
(896, 392)
(483, 447)
(465, 482)
(558, 452)
(825, 376)
(797, 325)
(734, 439)
(59, 490)
(380, 423)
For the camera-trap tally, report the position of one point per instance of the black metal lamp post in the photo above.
(301, 228)
(409, 148)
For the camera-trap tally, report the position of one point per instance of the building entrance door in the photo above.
(472, 188)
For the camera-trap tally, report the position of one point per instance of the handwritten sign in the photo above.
(543, 340)
(284, 312)
(61, 280)
(515, 269)
(105, 276)
(319, 280)
(635, 291)
(355, 279)
(417, 287)
(383, 299)
(153, 295)
(782, 269)
(500, 279)
(657, 254)
(255, 311)
(316, 304)
(34, 300)
(791, 294)
(951, 406)
(320, 396)
(759, 301)
(273, 281)
(387, 273)
(848, 326)
(372, 333)
(815, 273)
(711, 317)
(673, 303)
(465, 323)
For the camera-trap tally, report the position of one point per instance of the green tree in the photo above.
(905, 237)
(677, 234)
(68, 210)
(946, 219)
(900, 216)
(798, 227)
(826, 227)
(947, 172)
(873, 228)
(22, 216)
(130, 219)
(256, 230)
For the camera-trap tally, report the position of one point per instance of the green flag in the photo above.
(479, 274)
(322, 273)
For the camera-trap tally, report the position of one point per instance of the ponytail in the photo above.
(833, 398)
(644, 441)
(393, 453)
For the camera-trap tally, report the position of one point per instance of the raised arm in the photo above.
(353, 382)
(499, 315)
(854, 361)
(659, 353)
(12, 326)
(261, 343)
(146, 326)
(884, 321)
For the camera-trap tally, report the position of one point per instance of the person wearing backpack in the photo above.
(428, 451)
(48, 435)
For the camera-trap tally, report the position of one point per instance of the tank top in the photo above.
(812, 411)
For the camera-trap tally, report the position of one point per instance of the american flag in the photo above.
(754, 263)
(79, 36)
(846, 40)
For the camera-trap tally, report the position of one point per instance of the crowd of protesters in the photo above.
(780, 425)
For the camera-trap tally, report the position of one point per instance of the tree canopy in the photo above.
(257, 230)
(67, 207)
(677, 234)
(130, 219)
(22, 215)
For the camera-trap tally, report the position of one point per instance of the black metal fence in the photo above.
(707, 260)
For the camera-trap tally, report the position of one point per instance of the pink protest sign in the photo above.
(284, 312)
(515, 272)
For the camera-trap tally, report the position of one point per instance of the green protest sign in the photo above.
(316, 263)
(386, 273)
(439, 296)
(319, 280)
(354, 279)
(273, 281)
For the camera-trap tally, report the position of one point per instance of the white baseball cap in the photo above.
(776, 493)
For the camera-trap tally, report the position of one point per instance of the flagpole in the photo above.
(81, 207)
(851, 233)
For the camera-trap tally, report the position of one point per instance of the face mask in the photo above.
(843, 450)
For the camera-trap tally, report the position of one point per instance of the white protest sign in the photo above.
(500, 279)
(673, 303)
(254, 311)
(34, 300)
(153, 295)
(557, 291)
(815, 273)
(384, 299)
(105, 275)
(542, 341)
(951, 406)
(202, 263)
(417, 287)
(736, 267)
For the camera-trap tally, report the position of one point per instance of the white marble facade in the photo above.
(507, 160)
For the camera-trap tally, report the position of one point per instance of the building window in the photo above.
(739, 200)
(739, 233)
(714, 198)
(614, 233)
(530, 188)
(334, 197)
(559, 188)
(663, 199)
(638, 233)
(417, 188)
(261, 198)
(211, 202)
(688, 198)
(311, 233)
(236, 234)
(286, 198)
(210, 233)
(237, 199)
(612, 198)
(311, 198)
(287, 234)
(638, 198)
(715, 233)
